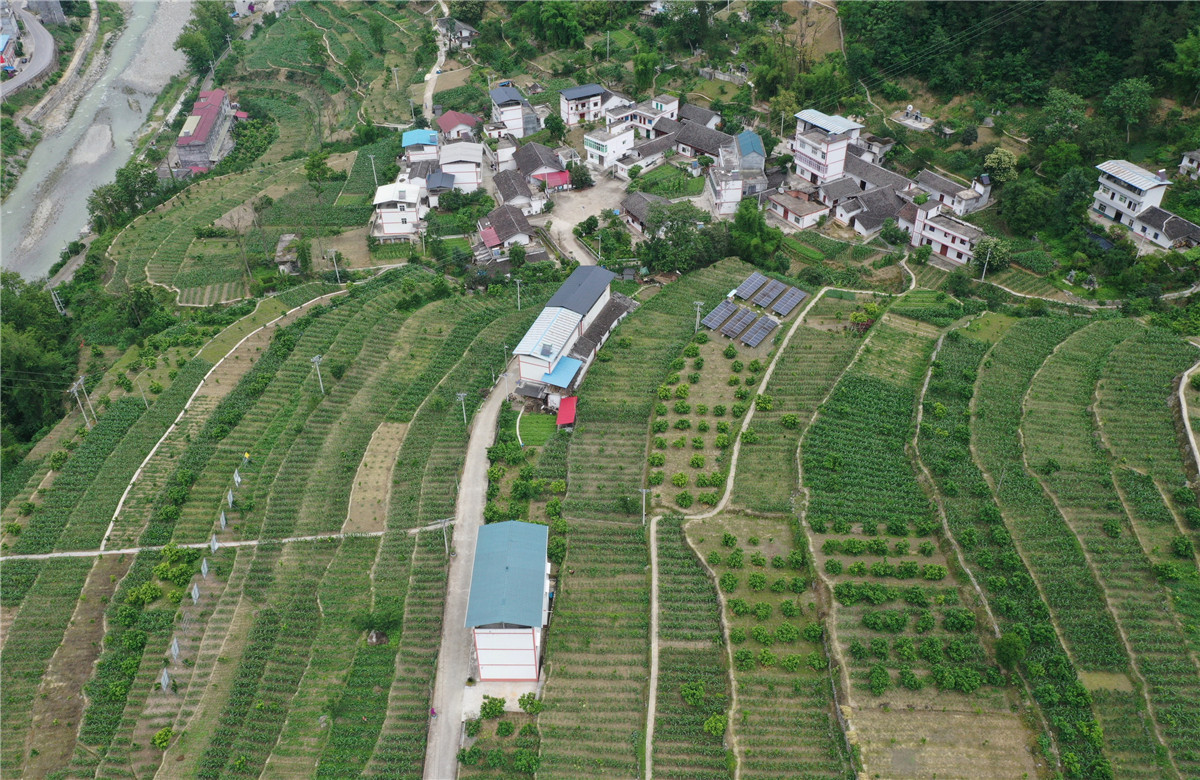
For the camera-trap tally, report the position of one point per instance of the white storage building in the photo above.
(542, 352)
(509, 604)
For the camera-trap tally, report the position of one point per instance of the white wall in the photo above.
(506, 653)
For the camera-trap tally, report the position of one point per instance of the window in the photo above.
(1156, 235)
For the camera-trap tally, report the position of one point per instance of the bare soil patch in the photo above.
(238, 219)
(353, 246)
(945, 743)
(58, 707)
(1110, 681)
(373, 480)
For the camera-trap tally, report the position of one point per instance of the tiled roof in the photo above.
(452, 119)
(511, 184)
(638, 204)
(508, 221)
(957, 226)
(839, 188)
(874, 174)
(937, 183)
(1170, 225)
(796, 205)
(698, 114)
(702, 138)
(582, 289)
(532, 156)
(207, 110)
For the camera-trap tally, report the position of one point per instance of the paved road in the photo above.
(42, 43)
(431, 78)
(454, 657)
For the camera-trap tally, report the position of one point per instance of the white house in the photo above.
(419, 145)
(464, 161)
(1190, 166)
(542, 351)
(509, 603)
(950, 237)
(512, 114)
(738, 173)
(541, 166)
(503, 227)
(1165, 229)
(635, 209)
(605, 147)
(961, 200)
(459, 35)
(1125, 190)
(820, 145)
(456, 124)
(797, 212)
(586, 103)
(644, 115)
(514, 191)
(647, 155)
(399, 212)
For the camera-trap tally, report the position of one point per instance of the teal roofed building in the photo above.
(509, 604)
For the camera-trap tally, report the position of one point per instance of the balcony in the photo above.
(810, 163)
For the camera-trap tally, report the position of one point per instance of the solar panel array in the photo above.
(719, 314)
(759, 331)
(790, 300)
(752, 283)
(739, 322)
(769, 293)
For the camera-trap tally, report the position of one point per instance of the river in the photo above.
(48, 208)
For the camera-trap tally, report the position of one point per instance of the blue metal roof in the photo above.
(582, 91)
(563, 373)
(830, 124)
(508, 580)
(418, 138)
(750, 142)
(4, 42)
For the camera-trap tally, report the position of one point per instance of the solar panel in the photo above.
(760, 330)
(739, 322)
(790, 300)
(752, 283)
(719, 314)
(769, 293)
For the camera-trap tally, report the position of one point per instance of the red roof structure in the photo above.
(490, 239)
(452, 119)
(566, 410)
(555, 178)
(208, 108)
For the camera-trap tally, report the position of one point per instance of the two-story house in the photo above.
(458, 35)
(419, 145)
(464, 161)
(1125, 190)
(820, 146)
(950, 237)
(961, 200)
(399, 212)
(605, 147)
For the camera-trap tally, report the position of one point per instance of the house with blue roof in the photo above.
(739, 172)
(509, 602)
(419, 145)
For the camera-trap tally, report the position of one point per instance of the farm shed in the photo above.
(567, 315)
(509, 603)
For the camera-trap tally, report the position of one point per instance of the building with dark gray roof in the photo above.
(699, 115)
(579, 293)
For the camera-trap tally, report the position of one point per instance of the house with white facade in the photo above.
(205, 138)
(646, 155)
(508, 608)
(464, 161)
(867, 211)
(1190, 166)
(542, 352)
(798, 213)
(1166, 230)
(512, 114)
(699, 115)
(542, 167)
(1125, 190)
(636, 208)
(645, 116)
(514, 190)
(738, 172)
(695, 140)
(419, 145)
(604, 147)
(821, 144)
(458, 35)
(503, 227)
(961, 200)
(399, 212)
(929, 225)
(586, 103)
(455, 125)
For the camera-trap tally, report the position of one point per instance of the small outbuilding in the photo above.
(509, 604)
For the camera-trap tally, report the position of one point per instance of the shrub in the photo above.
(492, 707)
(757, 581)
(736, 559)
(530, 703)
(684, 499)
(682, 391)
(162, 738)
(737, 635)
(730, 352)
(505, 728)
(728, 582)
(656, 459)
(473, 726)
(790, 421)
(787, 633)
(718, 411)
(679, 479)
(692, 693)
(697, 462)
(737, 366)
(655, 478)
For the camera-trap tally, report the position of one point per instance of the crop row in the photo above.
(976, 524)
(767, 472)
(1060, 439)
(682, 747)
(1053, 554)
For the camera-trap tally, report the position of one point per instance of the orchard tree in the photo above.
(1130, 101)
(1001, 165)
(376, 27)
(993, 253)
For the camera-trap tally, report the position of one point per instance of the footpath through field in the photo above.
(454, 656)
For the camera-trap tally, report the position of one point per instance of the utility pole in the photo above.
(396, 76)
(58, 304)
(518, 281)
(985, 264)
(446, 539)
(608, 49)
(505, 355)
(336, 272)
(228, 43)
(699, 305)
(316, 361)
(462, 399)
(74, 390)
(138, 382)
(373, 174)
(644, 492)
(507, 392)
(89, 400)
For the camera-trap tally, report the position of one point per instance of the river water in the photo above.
(48, 208)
